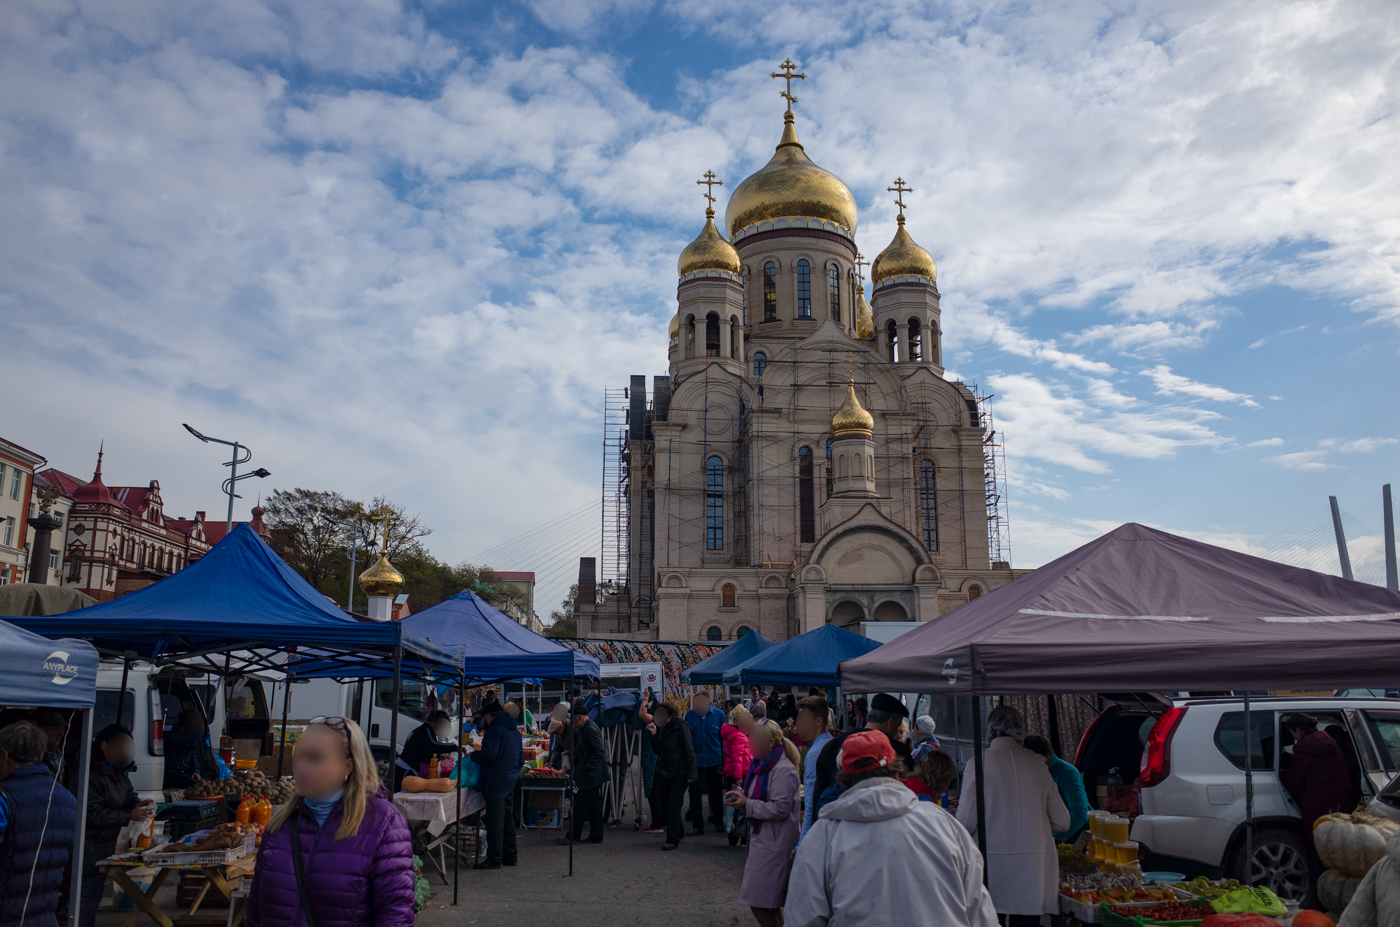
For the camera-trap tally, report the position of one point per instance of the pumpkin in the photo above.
(1335, 890)
(419, 784)
(1352, 843)
(1312, 919)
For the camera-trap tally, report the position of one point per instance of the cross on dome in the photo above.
(899, 189)
(709, 183)
(861, 264)
(788, 67)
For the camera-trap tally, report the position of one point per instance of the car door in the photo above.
(1384, 727)
(1343, 728)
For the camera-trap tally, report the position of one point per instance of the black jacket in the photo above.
(500, 757)
(675, 755)
(418, 751)
(37, 843)
(111, 799)
(591, 757)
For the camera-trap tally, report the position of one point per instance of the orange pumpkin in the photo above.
(1312, 919)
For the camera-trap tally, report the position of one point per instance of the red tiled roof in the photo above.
(134, 498)
(67, 483)
(518, 577)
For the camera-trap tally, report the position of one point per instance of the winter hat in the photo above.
(926, 725)
(864, 751)
(492, 706)
(889, 705)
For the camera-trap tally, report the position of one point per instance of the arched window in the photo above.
(741, 631)
(915, 352)
(760, 361)
(713, 634)
(928, 504)
(689, 336)
(746, 296)
(770, 291)
(833, 283)
(804, 290)
(712, 335)
(714, 504)
(726, 596)
(828, 468)
(735, 327)
(973, 592)
(892, 337)
(807, 518)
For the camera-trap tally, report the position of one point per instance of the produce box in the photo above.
(1110, 917)
(539, 817)
(267, 765)
(186, 817)
(545, 800)
(249, 749)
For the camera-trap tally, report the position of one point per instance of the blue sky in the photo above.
(401, 248)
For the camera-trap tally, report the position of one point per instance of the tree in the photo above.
(308, 531)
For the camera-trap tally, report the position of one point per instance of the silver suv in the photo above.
(1189, 756)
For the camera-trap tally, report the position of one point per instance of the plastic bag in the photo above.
(729, 820)
(1256, 900)
(467, 773)
(224, 771)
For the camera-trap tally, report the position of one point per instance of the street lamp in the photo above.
(241, 455)
(355, 536)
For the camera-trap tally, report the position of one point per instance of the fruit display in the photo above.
(544, 772)
(1070, 858)
(1167, 911)
(1239, 920)
(1312, 919)
(1127, 894)
(1092, 881)
(1202, 887)
(1352, 843)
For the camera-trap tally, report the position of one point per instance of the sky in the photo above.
(401, 248)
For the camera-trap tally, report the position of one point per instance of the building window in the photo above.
(806, 507)
(915, 352)
(892, 337)
(75, 568)
(2, 476)
(928, 504)
(760, 361)
(804, 290)
(712, 335)
(16, 482)
(10, 531)
(741, 631)
(829, 472)
(770, 291)
(53, 559)
(973, 592)
(833, 284)
(59, 516)
(726, 596)
(746, 296)
(713, 634)
(714, 504)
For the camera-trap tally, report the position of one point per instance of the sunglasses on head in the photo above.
(341, 724)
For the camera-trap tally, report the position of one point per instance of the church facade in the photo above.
(805, 461)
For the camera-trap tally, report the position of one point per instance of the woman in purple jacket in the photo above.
(357, 857)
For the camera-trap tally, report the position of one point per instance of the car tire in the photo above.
(1281, 864)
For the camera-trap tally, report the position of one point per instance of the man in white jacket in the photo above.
(879, 857)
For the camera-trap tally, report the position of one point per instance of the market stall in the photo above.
(710, 672)
(38, 672)
(1143, 610)
(809, 659)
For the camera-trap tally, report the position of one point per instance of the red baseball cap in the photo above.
(865, 750)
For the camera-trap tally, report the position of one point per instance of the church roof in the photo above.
(851, 418)
(790, 184)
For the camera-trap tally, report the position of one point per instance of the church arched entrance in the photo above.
(847, 615)
(890, 611)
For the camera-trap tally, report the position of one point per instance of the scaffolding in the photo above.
(994, 477)
(615, 560)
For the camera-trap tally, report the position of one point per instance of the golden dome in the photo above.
(851, 418)
(381, 579)
(709, 251)
(865, 321)
(902, 258)
(675, 331)
(790, 185)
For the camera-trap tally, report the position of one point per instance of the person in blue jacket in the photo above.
(705, 721)
(37, 821)
(500, 757)
(1070, 783)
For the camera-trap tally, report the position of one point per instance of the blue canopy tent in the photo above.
(711, 672)
(43, 673)
(809, 659)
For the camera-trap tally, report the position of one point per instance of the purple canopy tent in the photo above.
(1139, 609)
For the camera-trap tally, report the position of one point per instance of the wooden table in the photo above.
(222, 877)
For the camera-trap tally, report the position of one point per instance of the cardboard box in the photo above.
(249, 749)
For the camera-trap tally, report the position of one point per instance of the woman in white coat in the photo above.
(1024, 809)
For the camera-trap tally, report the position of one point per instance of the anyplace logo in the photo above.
(950, 671)
(63, 671)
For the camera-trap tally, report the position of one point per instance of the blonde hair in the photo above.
(739, 712)
(789, 748)
(360, 785)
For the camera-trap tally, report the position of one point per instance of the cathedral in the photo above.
(805, 461)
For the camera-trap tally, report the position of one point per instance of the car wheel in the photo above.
(1280, 864)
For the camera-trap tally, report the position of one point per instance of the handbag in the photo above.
(300, 871)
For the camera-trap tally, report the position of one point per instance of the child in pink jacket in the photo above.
(738, 755)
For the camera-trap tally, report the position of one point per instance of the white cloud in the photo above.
(1156, 337)
(1266, 442)
(1267, 338)
(1302, 460)
(1169, 384)
(1358, 446)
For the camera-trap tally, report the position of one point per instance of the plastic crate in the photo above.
(1110, 919)
(200, 858)
(186, 817)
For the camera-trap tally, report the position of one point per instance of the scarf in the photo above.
(759, 771)
(1005, 721)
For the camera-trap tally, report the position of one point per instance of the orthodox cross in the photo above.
(861, 264)
(788, 67)
(899, 189)
(709, 183)
(850, 366)
(384, 514)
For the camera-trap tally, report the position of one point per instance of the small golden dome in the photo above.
(675, 331)
(709, 251)
(851, 418)
(865, 320)
(381, 579)
(790, 185)
(902, 257)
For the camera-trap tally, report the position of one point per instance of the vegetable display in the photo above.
(1312, 919)
(1335, 890)
(1205, 888)
(1070, 858)
(419, 784)
(1352, 843)
(1239, 920)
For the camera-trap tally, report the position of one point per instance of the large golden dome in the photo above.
(790, 185)
(709, 251)
(865, 320)
(381, 579)
(902, 258)
(851, 418)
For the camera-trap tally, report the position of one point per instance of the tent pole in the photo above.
(286, 701)
(957, 735)
(75, 885)
(1052, 720)
(121, 694)
(981, 796)
(457, 769)
(394, 717)
(569, 730)
(1248, 795)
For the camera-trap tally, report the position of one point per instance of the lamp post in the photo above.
(355, 534)
(241, 455)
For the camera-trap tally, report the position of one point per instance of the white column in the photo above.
(724, 336)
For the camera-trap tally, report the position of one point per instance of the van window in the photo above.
(105, 712)
(1385, 727)
(1229, 738)
(413, 700)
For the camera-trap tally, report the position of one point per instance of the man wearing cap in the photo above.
(885, 715)
(590, 761)
(500, 757)
(879, 857)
